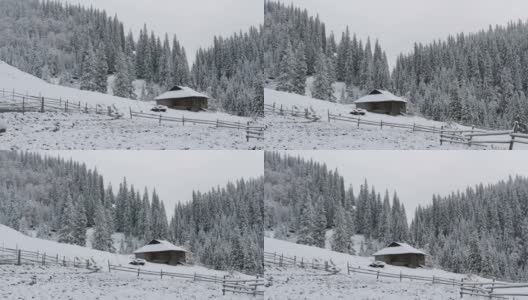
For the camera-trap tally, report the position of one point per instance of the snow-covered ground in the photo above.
(297, 283)
(288, 132)
(82, 131)
(50, 282)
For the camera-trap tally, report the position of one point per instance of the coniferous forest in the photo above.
(61, 200)
(482, 230)
(476, 79)
(81, 47)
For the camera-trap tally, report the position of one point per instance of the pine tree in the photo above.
(88, 70)
(342, 241)
(102, 237)
(123, 80)
(322, 87)
(80, 223)
(285, 81)
(299, 80)
(320, 225)
(101, 70)
(306, 224)
(67, 223)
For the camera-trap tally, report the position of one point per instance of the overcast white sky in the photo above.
(195, 22)
(174, 174)
(417, 175)
(398, 24)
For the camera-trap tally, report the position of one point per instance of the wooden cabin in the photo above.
(382, 102)
(184, 98)
(162, 252)
(401, 254)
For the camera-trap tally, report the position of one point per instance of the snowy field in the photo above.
(297, 283)
(57, 130)
(58, 283)
(69, 283)
(288, 132)
(80, 131)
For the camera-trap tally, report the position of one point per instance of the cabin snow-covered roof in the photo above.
(159, 246)
(380, 96)
(398, 248)
(178, 92)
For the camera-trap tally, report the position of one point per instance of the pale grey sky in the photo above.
(174, 174)
(398, 24)
(417, 175)
(194, 22)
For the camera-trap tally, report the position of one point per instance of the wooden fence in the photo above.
(357, 120)
(253, 287)
(242, 286)
(23, 257)
(467, 137)
(252, 132)
(294, 112)
(16, 102)
(492, 290)
(301, 262)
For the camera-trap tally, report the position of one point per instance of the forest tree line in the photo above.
(303, 200)
(476, 79)
(59, 199)
(482, 230)
(82, 46)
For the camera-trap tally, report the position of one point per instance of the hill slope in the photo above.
(292, 283)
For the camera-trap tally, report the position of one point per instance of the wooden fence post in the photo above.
(183, 120)
(328, 115)
(326, 265)
(348, 268)
(44, 259)
(87, 264)
(138, 273)
(381, 124)
(400, 276)
(194, 278)
(515, 125)
(64, 261)
(462, 288)
(377, 277)
(42, 105)
(441, 134)
(223, 285)
(302, 262)
(66, 106)
(161, 273)
(130, 108)
(433, 279)
(18, 257)
(492, 285)
(23, 105)
(57, 259)
(295, 261)
(160, 119)
(471, 136)
(86, 107)
(109, 269)
(281, 110)
(414, 126)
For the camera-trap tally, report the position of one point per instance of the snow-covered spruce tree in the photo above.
(123, 81)
(300, 69)
(79, 231)
(341, 240)
(306, 223)
(320, 226)
(102, 236)
(88, 70)
(101, 70)
(322, 86)
(285, 80)
(67, 222)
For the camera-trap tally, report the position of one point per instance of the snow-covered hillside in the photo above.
(297, 283)
(55, 130)
(49, 282)
(287, 132)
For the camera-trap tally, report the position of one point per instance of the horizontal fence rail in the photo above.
(306, 113)
(243, 286)
(11, 101)
(23, 257)
(274, 259)
(471, 137)
(252, 132)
